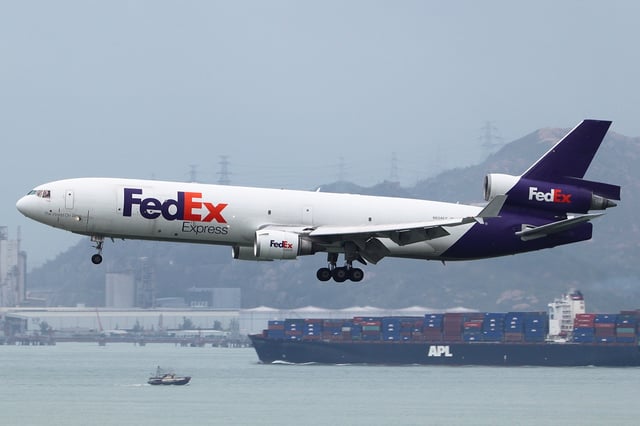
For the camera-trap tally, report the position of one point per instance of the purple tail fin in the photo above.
(571, 156)
(568, 160)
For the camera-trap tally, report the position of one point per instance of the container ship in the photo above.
(565, 335)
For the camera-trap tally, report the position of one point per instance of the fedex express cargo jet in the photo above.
(550, 204)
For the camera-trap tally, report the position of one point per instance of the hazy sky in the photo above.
(295, 93)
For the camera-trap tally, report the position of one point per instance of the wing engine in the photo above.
(271, 244)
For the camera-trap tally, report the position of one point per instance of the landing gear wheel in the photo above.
(97, 258)
(340, 274)
(356, 274)
(324, 274)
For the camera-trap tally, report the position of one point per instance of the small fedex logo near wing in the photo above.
(553, 196)
(281, 244)
(187, 206)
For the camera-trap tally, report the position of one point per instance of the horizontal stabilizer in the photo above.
(529, 232)
(605, 190)
(493, 208)
(490, 210)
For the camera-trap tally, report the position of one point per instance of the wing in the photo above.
(366, 237)
(406, 233)
(400, 233)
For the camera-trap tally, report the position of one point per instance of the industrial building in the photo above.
(13, 270)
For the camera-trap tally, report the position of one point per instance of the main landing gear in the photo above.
(339, 273)
(97, 258)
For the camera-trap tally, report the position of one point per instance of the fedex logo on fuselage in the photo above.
(553, 196)
(187, 206)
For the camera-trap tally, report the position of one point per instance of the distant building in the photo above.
(132, 287)
(214, 298)
(145, 284)
(120, 290)
(13, 270)
(171, 303)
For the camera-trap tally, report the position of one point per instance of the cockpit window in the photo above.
(42, 193)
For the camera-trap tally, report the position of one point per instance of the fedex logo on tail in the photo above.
(187, 206)
(553, 196)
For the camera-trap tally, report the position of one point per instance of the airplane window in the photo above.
(43, 193)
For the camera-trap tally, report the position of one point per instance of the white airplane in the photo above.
(548, 205)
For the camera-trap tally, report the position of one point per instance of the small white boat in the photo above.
(167, 378)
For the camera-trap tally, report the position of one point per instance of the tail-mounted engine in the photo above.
(571, 195)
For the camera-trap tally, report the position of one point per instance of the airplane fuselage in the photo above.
(228, 215)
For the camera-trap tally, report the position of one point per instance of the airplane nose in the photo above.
(23, 206)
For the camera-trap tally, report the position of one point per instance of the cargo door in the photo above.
(68, 199)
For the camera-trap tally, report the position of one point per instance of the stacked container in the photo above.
(626, 328)
(514, 327)
(526, 327)
(293, 329)
(493, 327)
(371, 327)
(409, 326)
(536, 326)
(332, 329)
(313, 329)
(452, 327)
(583, 328)
(391, 328)
(472, 327)
(605, 328)
(275, 329)
(432, 327)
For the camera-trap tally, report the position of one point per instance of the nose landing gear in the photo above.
(97, 258)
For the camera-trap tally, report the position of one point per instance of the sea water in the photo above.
(87, 384)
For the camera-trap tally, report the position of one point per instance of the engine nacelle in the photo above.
(245, 253)
(574, 197)
(498, 184)
(274, 244)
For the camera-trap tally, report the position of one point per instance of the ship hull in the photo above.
(446, 353)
